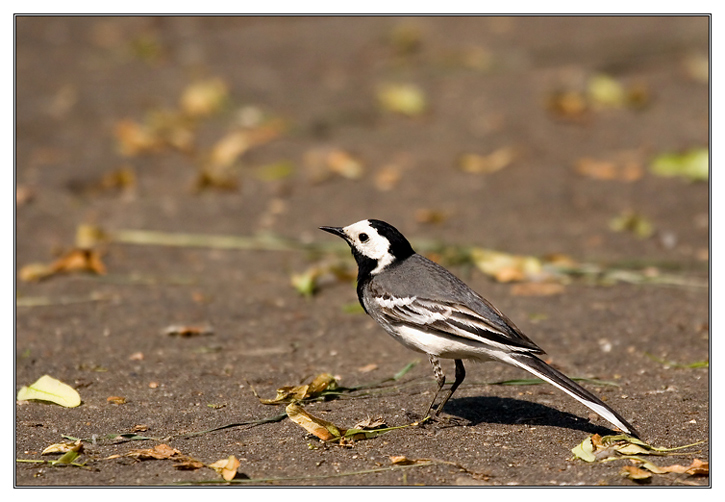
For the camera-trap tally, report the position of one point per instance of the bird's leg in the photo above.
(460, 375)
(440, 379)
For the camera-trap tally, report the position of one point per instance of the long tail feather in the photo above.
(542, 370)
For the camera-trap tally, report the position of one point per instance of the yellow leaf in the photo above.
(318, 427)
(406, 99)
(204, 98)
(63, 448)
(486, 164)
(605, 92)
(47, 388)
(631, 221)
(693, 165)
(506, 267)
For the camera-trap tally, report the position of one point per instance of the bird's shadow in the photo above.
(504, 410)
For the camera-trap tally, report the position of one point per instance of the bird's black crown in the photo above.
(399, 245)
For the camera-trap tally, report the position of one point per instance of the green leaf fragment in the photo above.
(632, 222)
(275, 172)
(47, 388)
(693, 165)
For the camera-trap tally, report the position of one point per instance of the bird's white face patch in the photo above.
(368, 242)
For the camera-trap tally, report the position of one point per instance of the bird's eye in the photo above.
(363, 237)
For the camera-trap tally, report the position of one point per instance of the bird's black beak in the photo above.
(335, 231)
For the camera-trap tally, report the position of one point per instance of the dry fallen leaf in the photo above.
(121, 180)
(603, 91)
(290, 394)
(158, 452)
(370, 424)
(486, 164)
(76, 260)
(135, 139)
(631, 221)
(185, 331)
(318, 427)
(188, 464)
(431, 216)
(568, 105)
(227, 467)
(227, 150)
(23, 195)
(323, 162)
(627, 171)
(635, 473)
(388, 177)
(506, 267)
(403, 460)
(47, 388)
(406, 99)
(204, 98)
(63, 447)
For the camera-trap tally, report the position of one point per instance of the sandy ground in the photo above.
(91, 93)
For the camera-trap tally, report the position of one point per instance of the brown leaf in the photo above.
(388, 177)
(697, 468)
(227, 467)
(635, 473)
(625, 170)
(119, 180)
(486, 164)
(158, 452)
(289, 394)
(135, 139)
(321, 163)
(403, 460)
(76, 260)
(370, 424)
(23, 195)
(186, 331)
(116, 400)
(318, 427)
(188, 464)
(568, 105)
(227, 150)
(430, 216)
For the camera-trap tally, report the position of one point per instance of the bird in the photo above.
(429, 310)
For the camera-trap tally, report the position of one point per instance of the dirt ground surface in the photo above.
(506, 140)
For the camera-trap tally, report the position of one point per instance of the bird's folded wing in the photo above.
(456, 320)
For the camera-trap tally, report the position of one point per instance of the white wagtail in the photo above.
(427, 309)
